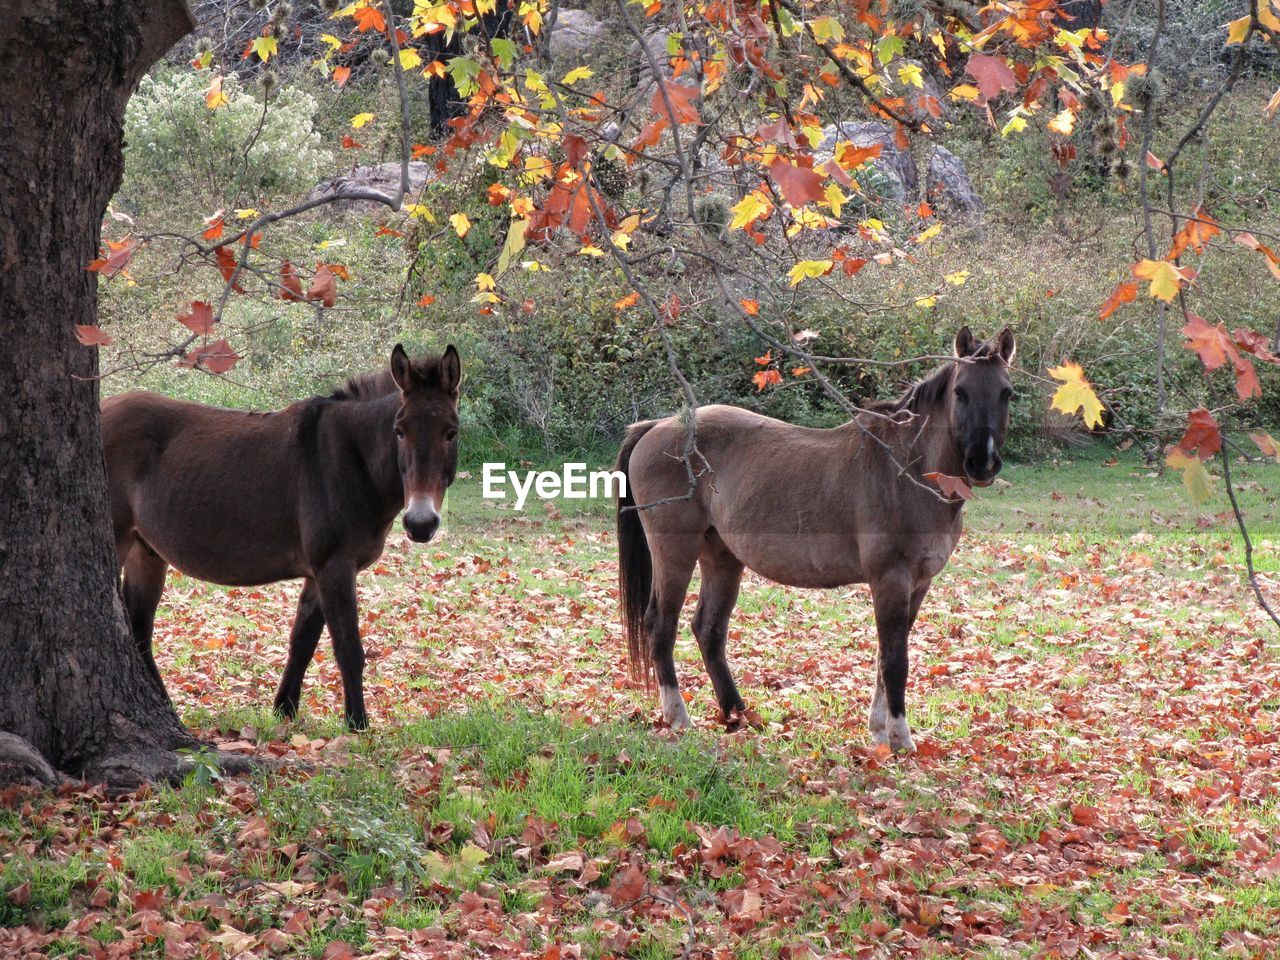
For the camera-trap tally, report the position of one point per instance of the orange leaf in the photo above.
(1125, 292)
(217, 357)
(683, 108)
(766, 378)
(369, 18)
(426, 300)
(117, 258)
(324, 286)
(1203, 437)
(750, 307)
(630, 300)
(951, 487)
(341, 75)
(291, 286)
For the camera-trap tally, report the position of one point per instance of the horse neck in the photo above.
(368, 429)
(919, 435)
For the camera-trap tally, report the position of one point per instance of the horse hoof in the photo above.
(673, 710)
(358, 724)
(900, 736)
(286, 710)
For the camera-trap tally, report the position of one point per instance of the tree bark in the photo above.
(74, 686)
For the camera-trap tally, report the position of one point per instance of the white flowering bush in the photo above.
(236, 154)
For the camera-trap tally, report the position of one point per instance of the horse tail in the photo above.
(635, 563)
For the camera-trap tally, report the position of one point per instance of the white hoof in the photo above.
(673, 710)
(900, 736)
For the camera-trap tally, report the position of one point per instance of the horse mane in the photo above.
(929, 391)
(380, 383)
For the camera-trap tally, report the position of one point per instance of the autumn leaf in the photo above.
(1203, 437)
(750, 307)
(766, 378)
(1195, 478)
(749, 209)
(799, 185)
(199, 319)
(683, 107)
(92, 336)
(1195, 233)
(630, 300)
(807, 269)
(1166, 279)
(851, 157)
(217, 357)
(341, 75)
(214, 96)
(951, 487)
(291, 286)
(461, 224)
(369, 19)
(265, 47)
(1076, 393)
(118, 256)
(1125, 292)
(1252, 242)
(1267, 444)
(992, 74)
(1064, 123)
(324, 286)
(425, 300)
(361, 120)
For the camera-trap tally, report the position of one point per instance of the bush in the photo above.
(236, 155)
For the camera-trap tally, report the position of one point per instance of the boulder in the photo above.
(655, 49)
(897, 167)
(383, 177)
(948, 185)
(575, 32)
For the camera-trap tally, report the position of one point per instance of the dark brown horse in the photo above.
(809, 508)
(309, 491)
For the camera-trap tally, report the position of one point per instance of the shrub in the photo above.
(238, 154)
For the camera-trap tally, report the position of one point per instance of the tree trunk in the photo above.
(74, 686)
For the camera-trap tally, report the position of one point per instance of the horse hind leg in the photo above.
(673, 562)
(303, 638)
(721, 580)
(144, 573)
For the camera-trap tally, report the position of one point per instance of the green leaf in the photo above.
(505, 52)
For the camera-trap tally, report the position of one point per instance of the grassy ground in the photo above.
(1093, 693)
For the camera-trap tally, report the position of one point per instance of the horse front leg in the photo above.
(896, 601)
(307, 626)
(337, 586)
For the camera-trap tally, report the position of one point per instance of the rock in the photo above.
(655, 43)
(383, 177)
(897, 167)
(575, 33)
(948, 185)
(926, 103)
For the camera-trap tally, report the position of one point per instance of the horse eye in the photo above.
(451, 436)
(962, 395)
(1006, 395)
(399, 434)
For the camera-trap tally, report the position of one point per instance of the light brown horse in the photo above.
(309, 491)
(808, 508)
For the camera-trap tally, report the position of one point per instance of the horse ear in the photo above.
(965, 343)
(1006, 345)
(402, 369)
(450, 369)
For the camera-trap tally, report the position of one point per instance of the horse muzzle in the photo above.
(421, 520)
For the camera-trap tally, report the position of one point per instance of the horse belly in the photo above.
(814, 560)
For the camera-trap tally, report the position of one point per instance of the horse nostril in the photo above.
(423, 529)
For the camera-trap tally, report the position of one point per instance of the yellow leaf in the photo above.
(1016, 124)
(246, 213)
(1165, 279)
(264, 47)
(361, 119)
(576, 74)
(1076, 393)
(410, 59)
(485, 282)
(461, 224)
(331, 41)
(1195, 477)
(513, 245)
(1064, 123)
(806, 269)
(590, 251)
(834, 198)
(534, 266)
(911, 75)
(827, 29)
(421, 211)
(958, 278)
(965, 91)
(929, 234)
(1237, 30)
(926, 302)
(749, 209)
(536, 168)
(214, 97)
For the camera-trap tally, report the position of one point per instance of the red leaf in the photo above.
(683, 108)
(324, 286)
(216, 357)
(426, 300)
(778, 132)
(1203, 437)
(341, 75)
(800, 185)
(291, 286)
(1125, 292)
(992, 73)
(350, 143)
(227, 267)
(118, 257)
(92, 336)
(213, 226)
(951, 487)
(200, 319)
